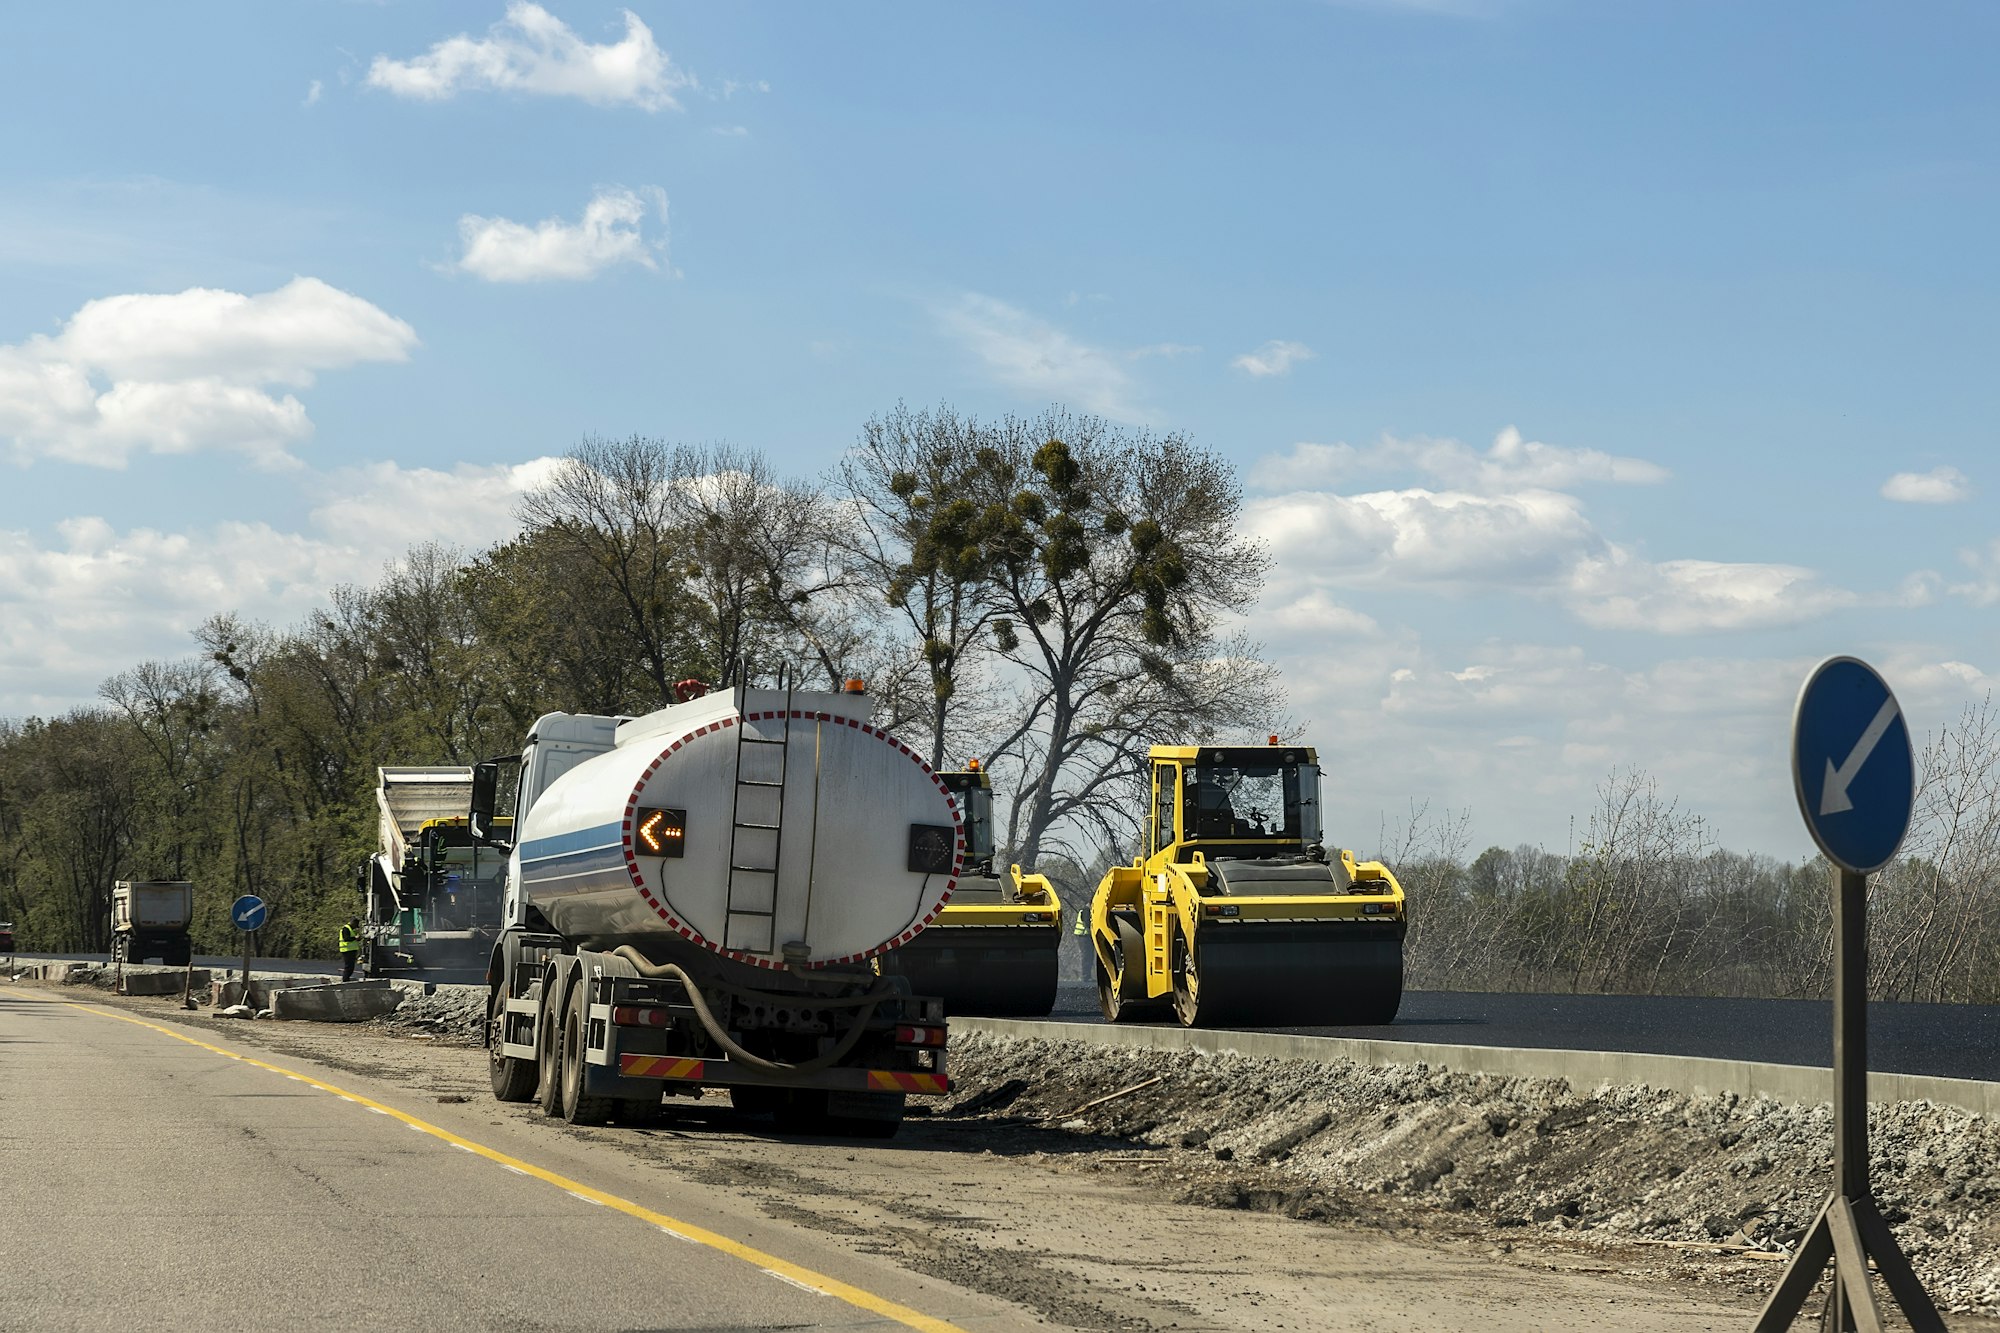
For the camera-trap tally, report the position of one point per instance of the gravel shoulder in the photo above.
(1137, 1190)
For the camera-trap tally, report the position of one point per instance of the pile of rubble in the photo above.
(453, 1015)
(1408, 1143)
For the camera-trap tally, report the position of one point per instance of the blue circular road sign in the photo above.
(248, 912)
(1852, 765)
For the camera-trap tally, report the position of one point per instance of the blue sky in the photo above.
(1572, 351)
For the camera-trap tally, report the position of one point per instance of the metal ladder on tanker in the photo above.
(737, 824)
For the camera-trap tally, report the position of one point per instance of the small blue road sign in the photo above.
(1852, 765)
(248, 912)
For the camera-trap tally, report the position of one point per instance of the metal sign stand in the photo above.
(1850, 1228)
(1845, 712)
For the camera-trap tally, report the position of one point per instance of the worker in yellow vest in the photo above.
(350, 947)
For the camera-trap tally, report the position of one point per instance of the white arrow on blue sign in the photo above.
(248, 912)
(1852, 765)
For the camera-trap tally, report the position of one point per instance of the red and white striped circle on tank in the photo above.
(845, 798)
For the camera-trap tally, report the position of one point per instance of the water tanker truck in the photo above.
(995, 948)
(695, 899)
(1237, 913)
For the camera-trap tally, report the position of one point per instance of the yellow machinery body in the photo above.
(995, 948)
(1237, 914)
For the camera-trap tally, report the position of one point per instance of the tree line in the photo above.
(1648, 904)
(1052, 594)
(1044, 593)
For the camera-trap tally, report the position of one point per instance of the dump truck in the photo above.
(995, 948)
(1239, 914)
(694, 900)
(149, 919)
(430, 892)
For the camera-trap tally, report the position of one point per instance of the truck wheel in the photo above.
(513, 1079)
(578, 1107)
(548, 1048)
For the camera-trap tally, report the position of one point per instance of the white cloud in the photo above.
(1464, 541)
(1511, 463)
(611, 231)
(1037, 358)
(97, 600)
(1536, 544)
(1984, 562)
(532, 51)
(1276, 357)
(1939, 486)
(186, 372)
(313, 90)
(371, 503)
(1695, 596)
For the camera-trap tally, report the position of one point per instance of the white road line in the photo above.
(793, 1282)
(585, 1197)
(515, 1169)
(460, 1146)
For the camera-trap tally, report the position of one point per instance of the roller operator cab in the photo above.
(995, 948)
(696, 899)
(1237, 913)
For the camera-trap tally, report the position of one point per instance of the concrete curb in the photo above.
(1583, 1070)
(335, 1002)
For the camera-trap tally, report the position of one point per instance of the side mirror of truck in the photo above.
(485, 793)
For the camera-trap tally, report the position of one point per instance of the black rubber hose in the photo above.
(716, 1032)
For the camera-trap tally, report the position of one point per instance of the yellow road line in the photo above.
(770, 1263)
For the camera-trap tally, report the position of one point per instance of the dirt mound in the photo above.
(454, 1015)
(1390, 1143)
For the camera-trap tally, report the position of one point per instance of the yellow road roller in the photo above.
(1239, 915)
(994, 948)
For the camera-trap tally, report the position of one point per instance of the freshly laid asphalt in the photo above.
(1941, 1040)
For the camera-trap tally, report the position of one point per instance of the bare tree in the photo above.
(1116, 557)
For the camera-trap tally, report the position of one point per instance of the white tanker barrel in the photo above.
(783, 835)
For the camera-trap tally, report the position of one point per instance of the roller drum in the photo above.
(985, 971)
(1292, 974)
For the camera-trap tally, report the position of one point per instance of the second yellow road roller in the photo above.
(994, 947)
(1237, 913)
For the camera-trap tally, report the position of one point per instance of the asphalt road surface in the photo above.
(152, 1176)
(1942, 1040)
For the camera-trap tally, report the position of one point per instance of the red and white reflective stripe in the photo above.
(919, 1036)
(631, 1016)
(775, 715)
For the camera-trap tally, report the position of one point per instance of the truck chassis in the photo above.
(585, 1034)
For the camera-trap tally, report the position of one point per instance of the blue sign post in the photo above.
(248, 913)
(1851, 765)
(1855, 777)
